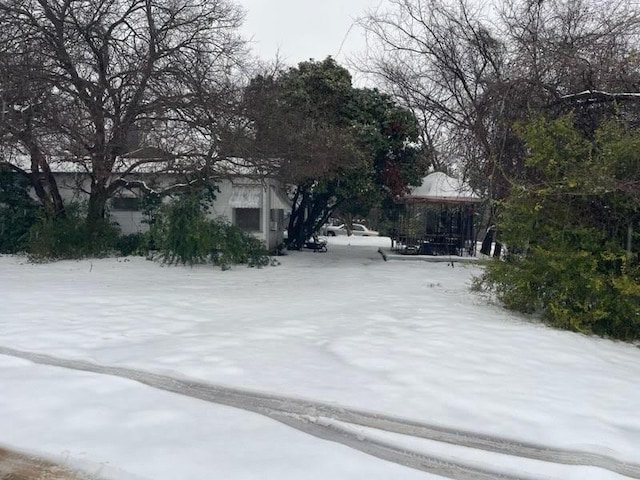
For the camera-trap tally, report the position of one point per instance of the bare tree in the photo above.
(113, 70)
(447, 63)
(472, 74)
(439, 58)
(566, 47)
(24, 124)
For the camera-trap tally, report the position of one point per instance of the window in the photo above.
(131, 204)
(248, 219)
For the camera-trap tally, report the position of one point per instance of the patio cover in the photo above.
(438, 187)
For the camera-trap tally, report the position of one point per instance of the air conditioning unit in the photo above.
(273, 226)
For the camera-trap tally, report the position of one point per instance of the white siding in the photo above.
(132, 221)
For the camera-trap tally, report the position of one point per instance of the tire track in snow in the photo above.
(307, 416)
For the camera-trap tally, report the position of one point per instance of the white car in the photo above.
(358, 229)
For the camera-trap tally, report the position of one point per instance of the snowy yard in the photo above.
(342, 331)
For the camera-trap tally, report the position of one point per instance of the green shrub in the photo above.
(18, 212)
(234, 246)
(183, 234)
(180, 231)
(67, 236)
(566, 232)
(572, 288)
(132, 244)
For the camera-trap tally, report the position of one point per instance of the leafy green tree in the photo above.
(341, 148)
(387, 136)
(569, 226)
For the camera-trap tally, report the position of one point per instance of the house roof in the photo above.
(438, 187)
(150, 160)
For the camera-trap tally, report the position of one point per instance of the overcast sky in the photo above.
(302, 29)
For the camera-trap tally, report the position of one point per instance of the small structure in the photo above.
(438, 218)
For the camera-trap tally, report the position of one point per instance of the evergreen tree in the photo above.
(342, 148)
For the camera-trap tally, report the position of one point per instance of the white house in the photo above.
(255, 203)
(256, 206)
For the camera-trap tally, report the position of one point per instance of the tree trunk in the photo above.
(309, 212)
(54, 191)
(43, 182)
(302, 220)
(301, 230)
(488, 241)
(97, 208)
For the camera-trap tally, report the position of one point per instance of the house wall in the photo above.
(72, 187)
(132, 221)
(272, 234)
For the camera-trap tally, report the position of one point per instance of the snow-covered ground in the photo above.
(343, 328)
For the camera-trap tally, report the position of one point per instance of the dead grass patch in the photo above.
(18, 466)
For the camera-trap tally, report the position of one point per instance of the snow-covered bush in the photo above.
(569, 224)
